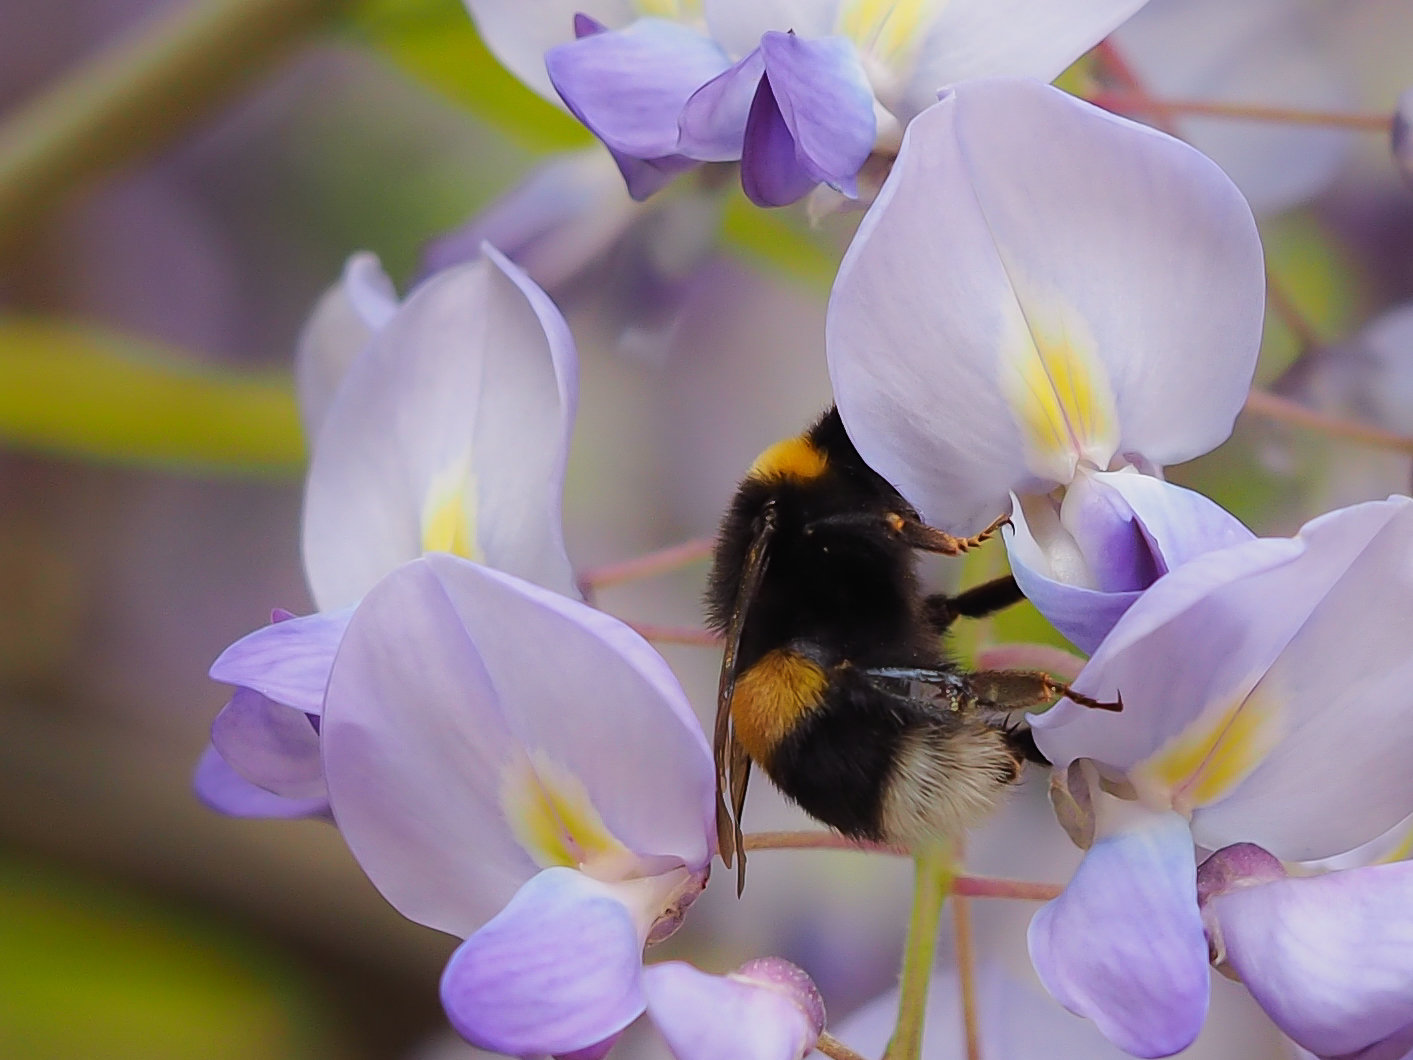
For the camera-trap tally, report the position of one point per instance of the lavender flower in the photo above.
(522, 771)
(440, 424)
(1266, 701)
(801, 92)
(1046, 304)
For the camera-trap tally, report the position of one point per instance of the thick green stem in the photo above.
(139, 93)
(936, 868)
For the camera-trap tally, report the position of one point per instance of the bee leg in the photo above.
(942, 610)
(930, 539)
(1017, 689)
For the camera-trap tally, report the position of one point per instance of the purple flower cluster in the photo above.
(1045, 306)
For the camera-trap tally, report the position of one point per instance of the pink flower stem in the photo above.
(663, 561)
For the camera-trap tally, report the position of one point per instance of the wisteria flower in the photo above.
(1268, 700)
(801, 92)
(438, 424)
(1046, 305)
(522, 771)
(768, 1009)
(1328, 957)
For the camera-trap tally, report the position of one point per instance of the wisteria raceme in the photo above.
(800, 92)
(438, 424)
(1047, 304)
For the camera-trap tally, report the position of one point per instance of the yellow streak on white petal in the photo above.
(1402, 850)
(449, 512)
(889, 30)
(1059, 393)
(1213, 754)
(678, 10)
(552, 816)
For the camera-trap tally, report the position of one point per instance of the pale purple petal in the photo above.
(1124, 945)
(771, 171)
(472, 384)
(567, 213)
(1344, 681)
(610, 709)
(1015, 210)
(712, 127)
(273, 746)
(450, 675)
(347, 316)
(1330, 958)
(288, 660)
(737, 25)
(709, 1017)
(519, 32)
(825, 101)
(224, 790)
(556, 971)
(1083, 616)
(1227, 616)
(1180, 524)
(629, 86)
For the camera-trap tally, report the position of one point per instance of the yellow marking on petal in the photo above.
(552, 816)
(1402, 850)
(678, 10)
(449, 512)
(1059, 393)
(890, 30)
(1216, 752)
(793, 458)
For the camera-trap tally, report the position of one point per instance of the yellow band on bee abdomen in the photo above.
(771, 698)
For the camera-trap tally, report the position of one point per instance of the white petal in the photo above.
(1260, 52)
(349, 314)
(451, 680)
(519, 32)
(737, 25)
(1345, 681)
(470, 390)
(1023, 234)
(1010, 38)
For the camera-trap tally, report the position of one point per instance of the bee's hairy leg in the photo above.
(942, 610)
(1017, 689)
(929, 539)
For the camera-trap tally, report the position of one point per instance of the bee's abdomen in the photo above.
(889, 769)
(773, 698)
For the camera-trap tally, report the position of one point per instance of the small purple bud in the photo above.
(596, 1051)
(1230, 869)
(587, 26)
(791, 981)
(1401, 135)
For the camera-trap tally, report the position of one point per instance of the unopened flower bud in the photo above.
(790, 981)
(1230, 869)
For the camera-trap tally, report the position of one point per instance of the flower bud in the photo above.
(1229, 869)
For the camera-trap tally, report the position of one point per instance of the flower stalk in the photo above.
(1130, 103)
(966, 974)
(935, 872)
(662, 561)
(833, 1048)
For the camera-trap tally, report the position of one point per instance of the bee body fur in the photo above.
(820, 694)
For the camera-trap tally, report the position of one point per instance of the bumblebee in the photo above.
(835, 680)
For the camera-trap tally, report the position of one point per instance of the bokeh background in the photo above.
(152, 289)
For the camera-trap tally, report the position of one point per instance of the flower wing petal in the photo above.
(629, 86)
(273, 746)
(557, 970)
(288, 661)
(1330, 958)
(825, 101)
(224, 790)
(712, 127)
(1124, 945)
(772, 173)
(705, 1017)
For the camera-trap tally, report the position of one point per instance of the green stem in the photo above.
(137, 94)
(935, 871)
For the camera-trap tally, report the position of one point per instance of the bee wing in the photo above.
(740, 777)
(730, 776)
